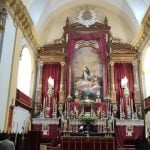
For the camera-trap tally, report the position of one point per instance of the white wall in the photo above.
(5, 67)
(21, 120)
(120, 28)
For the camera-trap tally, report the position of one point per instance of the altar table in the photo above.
(137, 132)
(48, 127)
(87, 143)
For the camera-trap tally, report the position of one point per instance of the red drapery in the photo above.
(120, 71)
(53, 70)
(102, 51)
(138, 132)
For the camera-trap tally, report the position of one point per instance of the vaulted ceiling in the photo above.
(49, 16)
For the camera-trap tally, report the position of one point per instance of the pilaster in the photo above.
(113, 92)
(61, 91)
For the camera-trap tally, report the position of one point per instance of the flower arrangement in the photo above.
(87, 117)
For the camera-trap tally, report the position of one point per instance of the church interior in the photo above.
(78, 74)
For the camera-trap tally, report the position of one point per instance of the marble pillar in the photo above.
(38, 96)
(113, 92)
(136, 83)
(61, 91)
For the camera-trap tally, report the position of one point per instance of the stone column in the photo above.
(61, 91)
(113, 92)
(38, 97)
(136, 83)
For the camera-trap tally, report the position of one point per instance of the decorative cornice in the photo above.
(96, 27)
(52, 53)
(123, 58)
(144, 32)
(122, 52)
(23, 20)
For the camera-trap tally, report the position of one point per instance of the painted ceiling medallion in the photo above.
(87, 18)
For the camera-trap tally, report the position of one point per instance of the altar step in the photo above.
(45, 147)
(126, 148)
(130, 147)
(53, 148)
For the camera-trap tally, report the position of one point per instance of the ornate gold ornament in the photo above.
(87, 18)
(144, 32)
(22, 19)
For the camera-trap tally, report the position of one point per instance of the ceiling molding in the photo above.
(144, 32)
(22, 19)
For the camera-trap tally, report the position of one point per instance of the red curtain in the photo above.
(102, 51)
(121, 137)
(53, 70)
(120, 71)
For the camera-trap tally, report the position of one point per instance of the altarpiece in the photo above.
(95, 85)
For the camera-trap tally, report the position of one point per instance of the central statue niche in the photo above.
(87, 75)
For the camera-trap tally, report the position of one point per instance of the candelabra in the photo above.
(54, 109)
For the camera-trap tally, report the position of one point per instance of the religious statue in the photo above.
(86, 73)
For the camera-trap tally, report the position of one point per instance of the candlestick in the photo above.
(122, 105)
(120, 109)
(69, 81)
(132, 108)
(44, 103)
(53, 105)
(65, 107)
(129, 102)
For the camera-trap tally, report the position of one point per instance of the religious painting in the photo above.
(87, 80)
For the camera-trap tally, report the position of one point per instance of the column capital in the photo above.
(21, 17)
(41, 63)
(134, 62)
(62, 63)
(112, 63)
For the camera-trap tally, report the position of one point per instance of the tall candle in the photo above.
(122, 105)
(65, 107)
(113, 124)
(54, 105)
(129, 101)
(120, 108)
(44, 103)
(69, 80)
